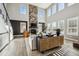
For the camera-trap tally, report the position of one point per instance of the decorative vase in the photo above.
(58, 32)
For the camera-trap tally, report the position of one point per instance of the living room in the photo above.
(42, 29)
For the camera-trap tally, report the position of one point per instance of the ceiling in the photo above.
(42, 5)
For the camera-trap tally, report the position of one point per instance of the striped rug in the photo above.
(63, 51)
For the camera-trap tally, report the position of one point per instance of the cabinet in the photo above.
(61, 40)
(44, 44)
(50, 42)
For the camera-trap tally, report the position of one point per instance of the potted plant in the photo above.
(58, 32)
(40, 34)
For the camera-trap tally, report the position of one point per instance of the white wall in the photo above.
(14, 12)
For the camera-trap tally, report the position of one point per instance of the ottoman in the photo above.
(76, 44)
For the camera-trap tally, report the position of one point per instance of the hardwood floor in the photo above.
(20, 47)
(15, 48)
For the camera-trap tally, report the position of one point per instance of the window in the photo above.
(54, 25)
(41, 12)
(49, 11)
(60, 6)
(48, 26)
(69, 4)
(41, 15)
(72, 26)
(61, 26)
(23, 9)
(54, 9)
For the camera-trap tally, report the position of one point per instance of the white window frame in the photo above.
(49, 12)
(70, 26)
(23, 9)
(61, 27)
(54, 7)
(59, 6)
(41, 12)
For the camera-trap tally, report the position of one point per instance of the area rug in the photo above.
(64, 51)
